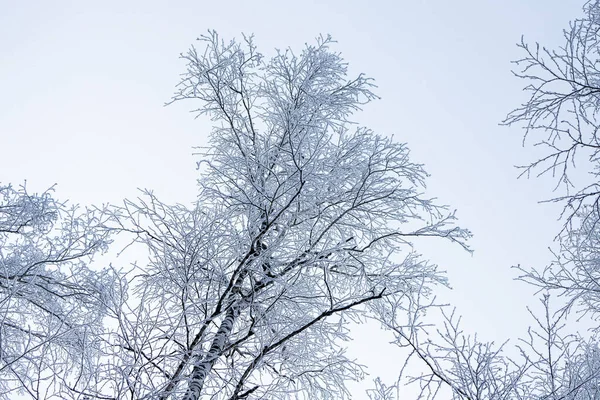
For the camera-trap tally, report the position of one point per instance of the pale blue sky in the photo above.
(82, 87)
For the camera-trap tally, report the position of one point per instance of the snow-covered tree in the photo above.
(51, 303)
(303, 222)
(561, 114)
(551, 361)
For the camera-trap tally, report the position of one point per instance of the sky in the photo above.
(83, 87)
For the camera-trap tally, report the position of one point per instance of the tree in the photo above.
(564, 108)
(561, 114)
(551, 362)
(301, 225)
(564, 105)
(51, 303)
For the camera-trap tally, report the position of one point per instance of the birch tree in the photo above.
(560, 116)
(304, 222)
(563, 107)
(51, 303)
(552, 360)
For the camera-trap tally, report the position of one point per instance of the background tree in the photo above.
(561, 114)
(303, 223)
(552, 361)
(51, 304)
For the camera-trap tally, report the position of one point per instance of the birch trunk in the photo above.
(202, 369)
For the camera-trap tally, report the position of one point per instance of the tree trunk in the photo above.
(203, 368)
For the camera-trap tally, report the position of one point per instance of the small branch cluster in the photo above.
(51, 304)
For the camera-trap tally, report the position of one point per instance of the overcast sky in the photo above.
(82, 88)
